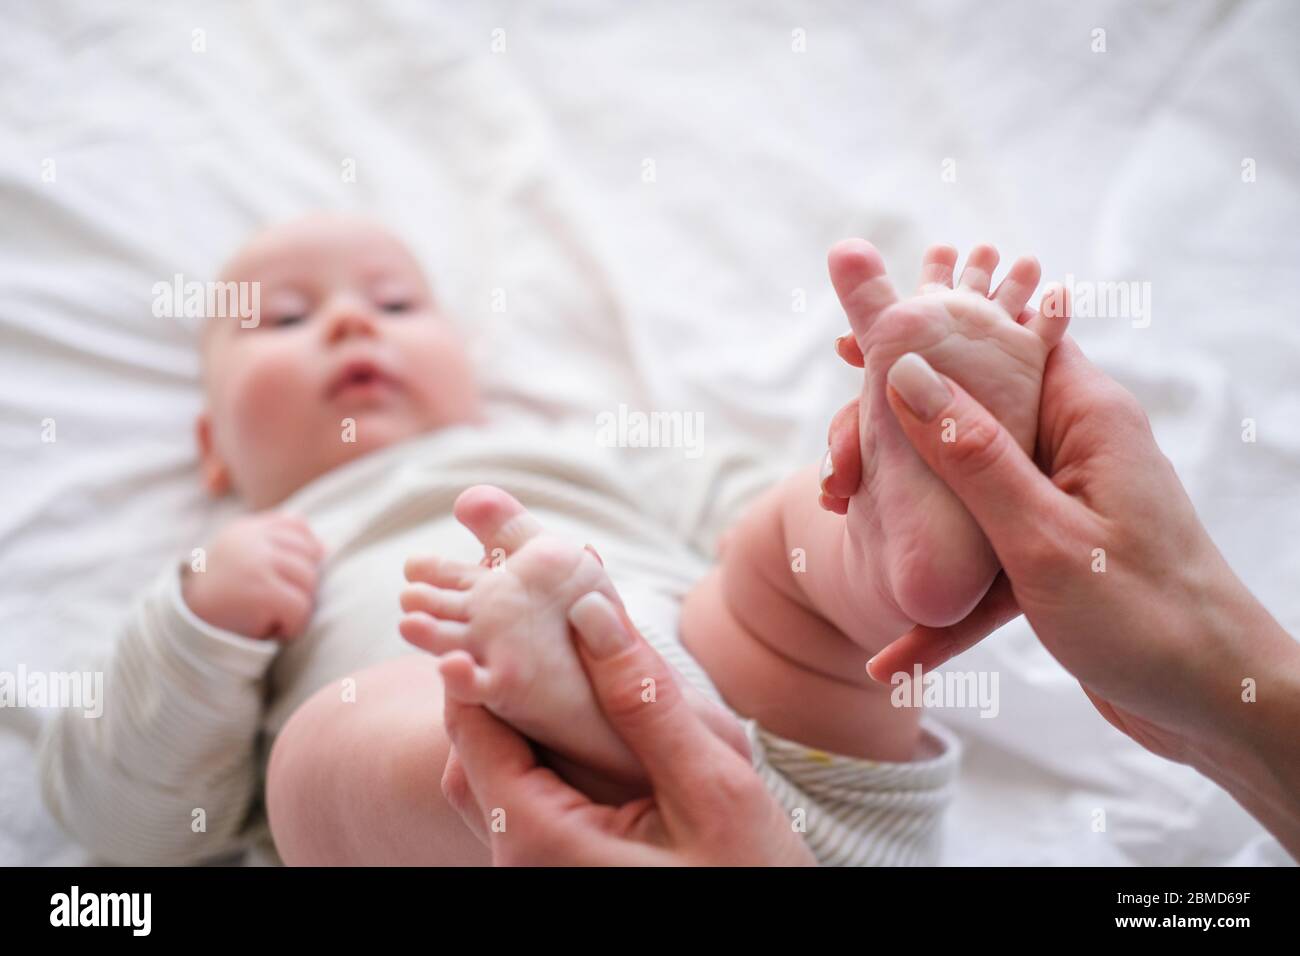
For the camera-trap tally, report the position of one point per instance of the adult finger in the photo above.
(495, 760)
(929, 647)
(842, 469)
(528, 814)
(846, 347)
(459, 794)
(642, 701)
(1013, 502)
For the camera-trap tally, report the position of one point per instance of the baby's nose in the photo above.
(349, 320)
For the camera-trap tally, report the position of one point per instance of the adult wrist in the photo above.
(1249, 746)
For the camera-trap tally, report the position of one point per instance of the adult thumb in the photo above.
(644, 702)
(970, 451)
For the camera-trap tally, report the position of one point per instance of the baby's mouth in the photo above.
(360, 378)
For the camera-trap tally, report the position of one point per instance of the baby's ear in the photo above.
(215, 476)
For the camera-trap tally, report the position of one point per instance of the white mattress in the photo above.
(524, 170)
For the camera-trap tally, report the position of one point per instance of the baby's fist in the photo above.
(260, 577)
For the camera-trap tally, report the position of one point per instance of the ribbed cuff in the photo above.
(936, 770)
(202, 646)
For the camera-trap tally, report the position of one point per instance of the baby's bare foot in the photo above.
(926, 550)
(501, 633)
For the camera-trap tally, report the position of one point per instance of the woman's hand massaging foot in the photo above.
(909, 536)
(1145, 637)
(501, 635)
(1164, 641)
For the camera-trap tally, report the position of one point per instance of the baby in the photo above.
(349, 422)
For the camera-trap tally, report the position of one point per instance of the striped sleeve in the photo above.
(168, 773)
(850, 811)
(855, 812)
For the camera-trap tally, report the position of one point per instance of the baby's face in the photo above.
(350, 354)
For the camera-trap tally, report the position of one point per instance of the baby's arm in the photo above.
(167, 774)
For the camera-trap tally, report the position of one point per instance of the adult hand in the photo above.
(708, 807)
(1102, 551)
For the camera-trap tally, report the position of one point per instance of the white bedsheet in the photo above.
(525, 170)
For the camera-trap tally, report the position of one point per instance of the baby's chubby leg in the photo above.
(357, 780)
(784, 628)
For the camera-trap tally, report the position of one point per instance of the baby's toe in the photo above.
(464, 680)
(1014, 291)
(501, 524)
(1053, 316)
(447, 604)
(978, 274)
(858, 273)
(549, 564)
(442, 573)
(433, 634)
(937, 266)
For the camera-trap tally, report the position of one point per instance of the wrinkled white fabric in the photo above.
(633, 206)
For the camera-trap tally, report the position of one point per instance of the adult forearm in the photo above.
(1257, 756)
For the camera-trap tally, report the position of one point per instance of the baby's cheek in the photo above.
(443, 377)
(273, 399)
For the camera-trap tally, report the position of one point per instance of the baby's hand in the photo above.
(260, 578)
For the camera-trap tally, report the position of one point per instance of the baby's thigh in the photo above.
(355, 779)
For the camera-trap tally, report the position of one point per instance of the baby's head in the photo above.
(348, 332)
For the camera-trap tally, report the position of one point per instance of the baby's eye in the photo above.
(285, 307)
(395, 306)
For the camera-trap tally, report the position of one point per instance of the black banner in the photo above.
(233, 905)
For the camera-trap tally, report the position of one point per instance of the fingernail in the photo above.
(598, 625)
(595, 554)
(924, 392)
(839, 341)
(828, 469)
